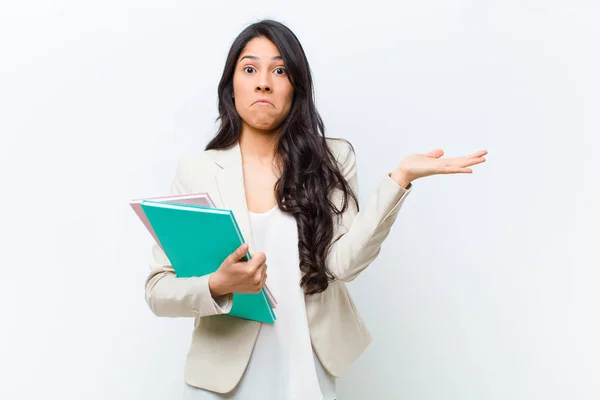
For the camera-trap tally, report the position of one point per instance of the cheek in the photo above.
(288, 101)
(240, 88)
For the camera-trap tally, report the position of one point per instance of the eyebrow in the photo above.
(258, 58)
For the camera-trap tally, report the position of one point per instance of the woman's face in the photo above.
(260, 75)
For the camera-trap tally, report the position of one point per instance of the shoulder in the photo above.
(191, 167)
(193, 161)
(342, 150)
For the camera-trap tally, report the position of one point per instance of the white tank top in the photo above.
(283, 364)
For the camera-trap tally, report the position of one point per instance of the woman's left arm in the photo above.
(358, 235)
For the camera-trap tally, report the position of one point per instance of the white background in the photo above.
(487, 286)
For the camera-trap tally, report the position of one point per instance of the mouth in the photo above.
(263, 102)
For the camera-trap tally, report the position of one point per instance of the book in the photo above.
(200, 199)
(196, 240)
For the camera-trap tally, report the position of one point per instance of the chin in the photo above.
(264, 126)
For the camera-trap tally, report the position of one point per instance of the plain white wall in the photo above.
(486, 288)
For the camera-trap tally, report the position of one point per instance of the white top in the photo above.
(283, 364)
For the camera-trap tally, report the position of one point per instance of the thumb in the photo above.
(436, 153)
(239, 253)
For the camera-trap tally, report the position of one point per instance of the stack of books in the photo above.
(196, 238)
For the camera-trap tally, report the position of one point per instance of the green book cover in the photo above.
(197, 240)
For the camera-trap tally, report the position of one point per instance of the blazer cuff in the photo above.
(394, 186)
(214, 306)
(391, 193)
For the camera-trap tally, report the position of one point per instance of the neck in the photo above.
(258, 145)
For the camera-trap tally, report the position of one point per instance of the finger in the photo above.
(264, 273)
(238, 254)
(261, 270)
(264, 282)
(259, 279)
(264, 279)
(475, 161)
(257, 270)
(463, 162)
(437, 153)
(480, 153)
(470, 162)
(258, 260)
(261, 258)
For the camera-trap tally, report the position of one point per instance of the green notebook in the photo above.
(197, 240)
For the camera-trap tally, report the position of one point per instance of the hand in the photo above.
(421, 165)
(236, 276)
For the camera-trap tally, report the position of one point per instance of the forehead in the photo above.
(261, 49)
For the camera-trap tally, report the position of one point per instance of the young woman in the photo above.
(294, 195)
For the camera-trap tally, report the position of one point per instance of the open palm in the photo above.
(420, 165)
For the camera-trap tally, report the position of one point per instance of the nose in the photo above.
(264, 83)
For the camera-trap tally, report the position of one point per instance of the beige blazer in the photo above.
(221, 345)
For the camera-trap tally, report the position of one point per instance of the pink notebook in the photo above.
(198, 199)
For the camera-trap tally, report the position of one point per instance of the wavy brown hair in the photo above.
(309, 168)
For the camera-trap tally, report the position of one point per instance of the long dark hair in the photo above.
(309, 168)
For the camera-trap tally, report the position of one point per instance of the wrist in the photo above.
(216, 286)
(401, 178)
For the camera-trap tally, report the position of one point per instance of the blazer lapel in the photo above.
(230, 182)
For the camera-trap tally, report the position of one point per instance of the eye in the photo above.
(246, 69)
(282, 70)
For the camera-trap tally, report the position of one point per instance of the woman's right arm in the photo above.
(169, 296)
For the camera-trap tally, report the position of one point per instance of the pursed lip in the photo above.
(262, 101)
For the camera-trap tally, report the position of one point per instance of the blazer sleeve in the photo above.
(169, 296)
(358, 235)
